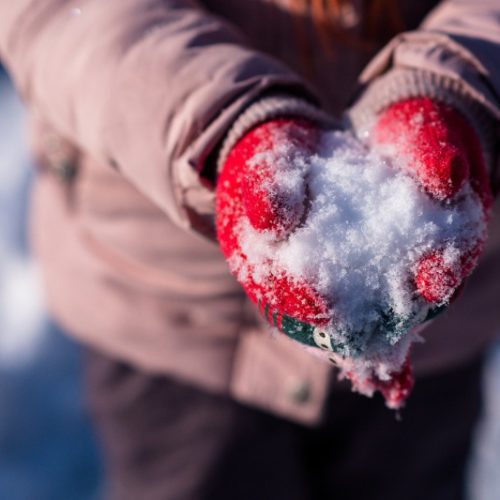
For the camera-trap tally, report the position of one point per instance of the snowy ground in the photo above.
(47, 451)
(484, 481)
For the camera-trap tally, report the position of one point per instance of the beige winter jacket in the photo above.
(134, 96)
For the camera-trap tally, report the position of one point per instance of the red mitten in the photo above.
(260, 185)
(437, 145)
(271, 189)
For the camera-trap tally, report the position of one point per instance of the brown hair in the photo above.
(381, 19)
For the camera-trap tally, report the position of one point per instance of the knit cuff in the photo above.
(399, 84)
(270, 108)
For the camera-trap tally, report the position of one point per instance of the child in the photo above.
(135, 106)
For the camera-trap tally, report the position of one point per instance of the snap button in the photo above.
(300, 392)
(61, 157)
(66, 171)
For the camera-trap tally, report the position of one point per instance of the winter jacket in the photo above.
(131, 99)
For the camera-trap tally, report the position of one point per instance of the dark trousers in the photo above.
(164, 440)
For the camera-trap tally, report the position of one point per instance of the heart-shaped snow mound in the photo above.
(367, 226)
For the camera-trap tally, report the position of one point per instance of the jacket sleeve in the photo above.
(147, 86)
(453, 56)
(459, 41)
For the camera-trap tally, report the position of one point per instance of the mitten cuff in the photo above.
(270, 108)
(399, 84)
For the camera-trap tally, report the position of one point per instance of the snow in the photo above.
(21, 303)
(22, 311)
(368, 225)
(484, 480)
(47, 447)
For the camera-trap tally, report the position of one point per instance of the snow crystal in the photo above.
(367, 225)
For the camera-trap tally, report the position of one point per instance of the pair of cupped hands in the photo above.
(442, 153)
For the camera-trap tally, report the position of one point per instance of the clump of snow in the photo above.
(365, 226)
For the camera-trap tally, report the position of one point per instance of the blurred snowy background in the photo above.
(47, 449)
(484, 474)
